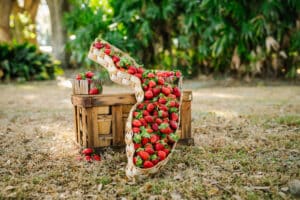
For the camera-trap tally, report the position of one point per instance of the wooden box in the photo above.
(84, 86)
(100, 119)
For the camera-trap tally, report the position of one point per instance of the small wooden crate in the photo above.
(83, 86)
(100, 119)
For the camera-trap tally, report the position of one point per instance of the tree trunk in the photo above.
(59, 33)
(5, 10)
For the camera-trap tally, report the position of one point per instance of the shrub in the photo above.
(23, 62)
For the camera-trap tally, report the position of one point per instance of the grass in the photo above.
(247, 147)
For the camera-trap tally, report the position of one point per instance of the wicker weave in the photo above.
(133, 172)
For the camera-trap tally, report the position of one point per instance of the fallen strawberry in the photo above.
(96, 157)
(88, 158)
(87, 151)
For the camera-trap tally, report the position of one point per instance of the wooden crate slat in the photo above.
(102, 110)
(185, 119)
(117, 126)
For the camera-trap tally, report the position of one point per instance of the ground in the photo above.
(247, 146)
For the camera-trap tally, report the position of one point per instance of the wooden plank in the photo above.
(117, 125)
(84, 127)
(89, 127)
(185, 119)
(76, 124)
(102, 110)
(97, 142)
(126, 108)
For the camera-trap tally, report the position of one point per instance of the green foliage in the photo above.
(23, 62)
(243, 38)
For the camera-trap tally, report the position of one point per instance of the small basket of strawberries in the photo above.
(87, 83)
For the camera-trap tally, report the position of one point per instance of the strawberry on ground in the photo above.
(87, 151)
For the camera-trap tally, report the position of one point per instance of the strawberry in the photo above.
(143, 121)
(89, 74)
(174, 116)
(149, 119)
(145, 140)
(162, 155)
(166, 90)
(115, 59)
(137, 146)
(94, 91)
(158, 121)
(140, 70)
(107, 46)
(87, 151)
(89, 80)
(78, 77)
(149, 130)
(150, 107)
(162, 100)
(88, 158)
(149, 150)
(107, 51)
(178, 74)
(145, 113)
(145, 87)
(171, 103)
(171, 96)
(141, 106)
(136, 123)
(137, 115)
(149, 94)
(163, 113)
(155, 113)
(137, 161)
(154, 138)
(137, 138)
(148, 164)
(167, 151)
(150, 75)
(163, 127)
(98, 45)
(173, 125)
(176, 91)
(156, 91)
(136, 129)
(144, 155)
(163, 107)
(151, 84)
(173, 138)
(160, 81)
(155, 127)
(139, 75)
(96, 157)
(131, 71)
(159, 146)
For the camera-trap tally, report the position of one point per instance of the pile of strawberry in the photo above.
(155, 120)
(90, 76)
(89, 155)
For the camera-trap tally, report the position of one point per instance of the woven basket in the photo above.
(123, 78)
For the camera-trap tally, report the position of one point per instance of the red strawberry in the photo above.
(136, 123)
(159, 146)
(173, 125)
(149, 94)
(155, 161)
(88, 158)
(158, 121)
(115, 59)
(149, 130)
(163, 114)
(155, 113)
(140, 70)
(178, 74)
(171, 96)
(78, 77)
(141, 106)
(143, 121)
(163, 107)
(139, 75)
(87, 151)
(150, 75)
(149, 119)
(154, 138)
(173, 138)
(167, 151)
(145, 113)
(107, 46)
(162, 100)
(176, 91)
(166, 90)
(145, 140)
(89, 74)
(148, 164)
(94, 91)
(89, 80)
(171, 104)
(98, 45)
(96, 157)
(137, 115)
(155, 127)
(136, 129)
(150, 107)
(107, 51)
(137, 161)
(160, 81)
(152, 84)
(174, 117)
(136, 146)
(162, 155)
(156, 91)
(144, 155)
(149, 150)
(131, 71)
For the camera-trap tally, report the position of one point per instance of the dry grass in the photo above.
(247, 147)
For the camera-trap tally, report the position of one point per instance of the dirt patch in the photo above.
(247, 147)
